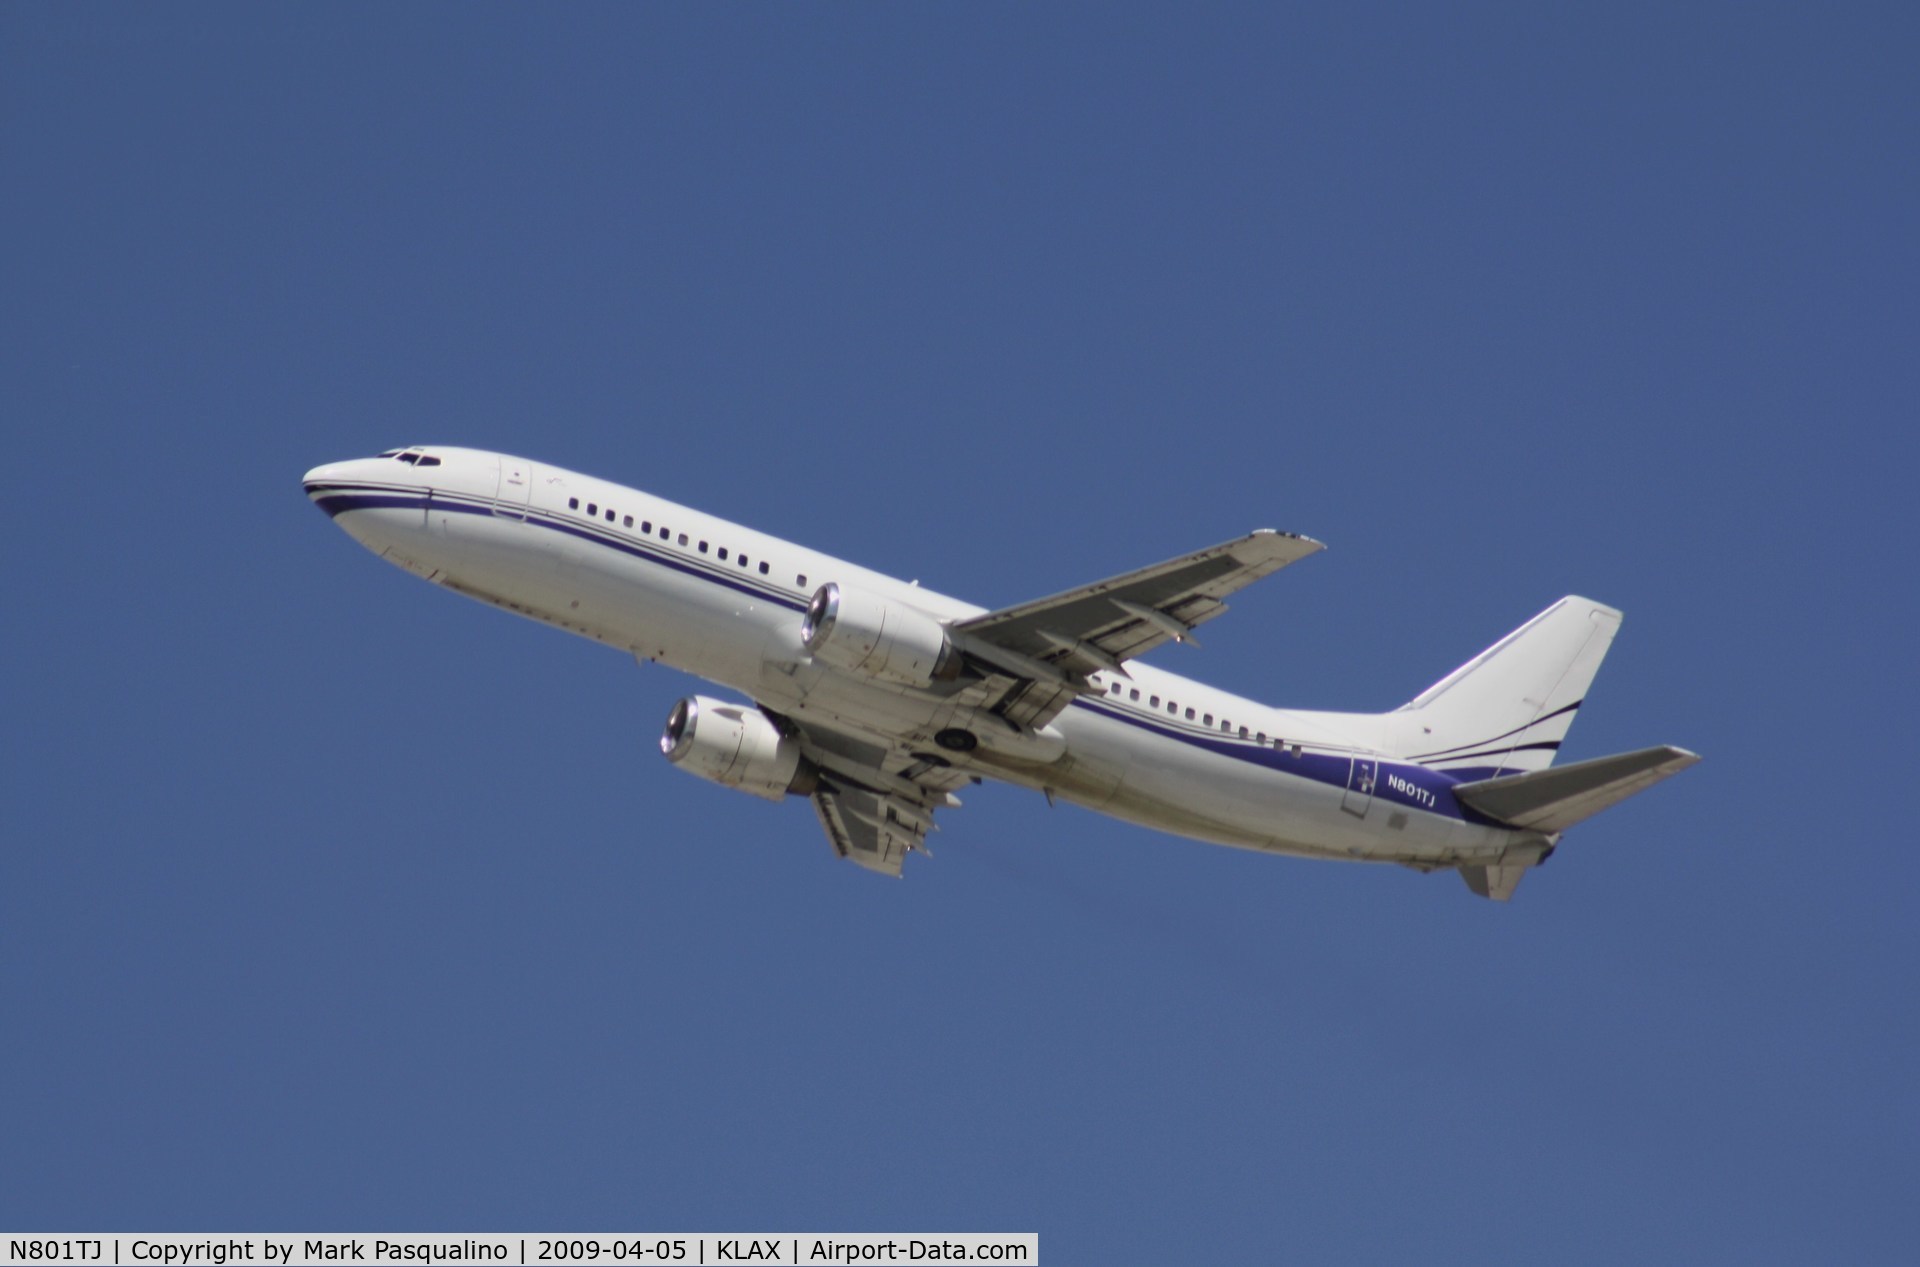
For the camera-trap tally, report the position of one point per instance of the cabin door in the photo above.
(516, 488)
(1360, 777)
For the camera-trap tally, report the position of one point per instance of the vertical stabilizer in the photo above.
(1496, 881)
(1507, 710)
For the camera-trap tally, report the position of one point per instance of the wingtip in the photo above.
(1311, 543)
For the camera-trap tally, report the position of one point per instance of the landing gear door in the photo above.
(1360, 786)
(516, 488)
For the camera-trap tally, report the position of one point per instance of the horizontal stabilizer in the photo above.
(1554, 799)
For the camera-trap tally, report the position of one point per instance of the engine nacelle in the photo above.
(736, 746)
(866, 634)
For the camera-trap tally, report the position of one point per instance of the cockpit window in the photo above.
(411, 457)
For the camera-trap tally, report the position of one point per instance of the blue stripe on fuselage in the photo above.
(337, 499)
(1325, 768)
(1334, 770)
(1467, 749)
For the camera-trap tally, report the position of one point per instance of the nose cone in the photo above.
(351, 485)
(382, 504)
(319, 475)
(323, 485)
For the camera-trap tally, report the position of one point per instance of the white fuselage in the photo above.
(725, 603)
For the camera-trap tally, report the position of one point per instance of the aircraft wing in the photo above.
(1048, 647)
(863, 827)
(876, 804)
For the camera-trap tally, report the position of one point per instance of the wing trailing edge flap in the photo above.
(875, 803)
(875, 831)
(1556, 798)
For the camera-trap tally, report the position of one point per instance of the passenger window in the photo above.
(1207, 720)
(1113, 688)
(723, 554)
(763, 569)
(1243, 732)
(801, 580)
(609, 514)
(573, 503)
(1172, 708)
(683, 538)
(1261, 737)
(743, 560)
(592, 509)
(1226, 726)
(1134, 696)
(646, 526)
(1153, 701)
(1189, 714)
(627, 522)
(703, 547)
(665, 532)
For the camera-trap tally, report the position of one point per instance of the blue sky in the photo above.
(329, 900)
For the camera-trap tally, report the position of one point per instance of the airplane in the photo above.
(879, 700)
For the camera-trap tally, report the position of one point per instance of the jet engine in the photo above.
(873, 636)
(736, 746)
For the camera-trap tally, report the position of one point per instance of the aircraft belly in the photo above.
(1204, 795)
(799, 685)
(585, 589)
(678, 620)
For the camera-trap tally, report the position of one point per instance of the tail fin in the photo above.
(1507, 710)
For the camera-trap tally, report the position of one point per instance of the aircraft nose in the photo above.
(323, 486)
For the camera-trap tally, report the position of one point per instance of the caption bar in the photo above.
(403, 1249)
